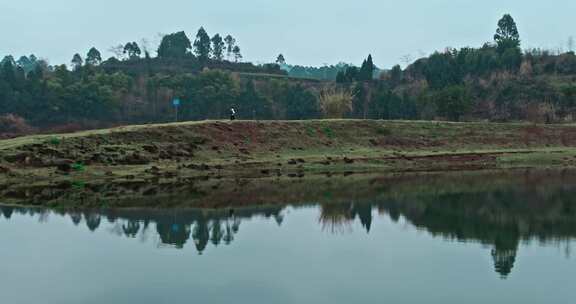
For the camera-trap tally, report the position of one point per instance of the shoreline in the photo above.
(192, 152)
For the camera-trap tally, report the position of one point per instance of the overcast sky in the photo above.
(307, 32)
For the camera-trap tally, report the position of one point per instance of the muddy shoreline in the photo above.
(222, 193)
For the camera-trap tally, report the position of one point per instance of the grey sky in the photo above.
(308, 32)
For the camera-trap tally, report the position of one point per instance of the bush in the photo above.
(540, 113)
(13, 125)
(78, 167)
(453, 102)
(336, 103)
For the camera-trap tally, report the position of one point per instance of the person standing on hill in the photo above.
(232, 114)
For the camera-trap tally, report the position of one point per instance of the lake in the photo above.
(443, 238)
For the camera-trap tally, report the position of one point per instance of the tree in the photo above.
(132, 50)
(280, 59)
(370, 68)
(299, 102)
(385, 105)
(396, 75)
(511, 59)
(93, 57)
(441, 70)
(230, 43)
(218, 47)
(8, 58)
(367, 70)
(351, 74)
(118, 51)
(28, 64)
(251, 104)
(507, 35)
(571, 44)
(237, 54)
(176, 45)
(341, 77)
(212, 92)
(77, 62)
(23, 61)
(202, 45)
(7, 70)
(453, 102)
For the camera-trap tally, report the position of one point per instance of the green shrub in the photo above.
(383, 131)
(310, 131)
(78, 167)
(329, 132)
(55, 140)
(78, 184)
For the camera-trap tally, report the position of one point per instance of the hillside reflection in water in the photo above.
(500, 217)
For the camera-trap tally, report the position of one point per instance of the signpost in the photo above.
(176, 104)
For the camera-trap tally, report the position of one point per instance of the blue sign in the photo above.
(176, 102)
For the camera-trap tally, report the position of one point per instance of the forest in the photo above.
(498, 81)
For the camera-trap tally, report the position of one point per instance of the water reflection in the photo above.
(338, 218)
(500, 218)
(174, 227)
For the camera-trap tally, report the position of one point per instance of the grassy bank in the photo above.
(182, 152)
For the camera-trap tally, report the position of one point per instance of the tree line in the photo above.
(497, 81)
(173, 46)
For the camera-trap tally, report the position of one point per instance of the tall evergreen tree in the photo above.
(202, 45)
(8, 71)
(507, 35)
(367, 70)
(93, 57)
(230, 43)
(237, 54)
(218, 47)
(77, 62)
(132, 50)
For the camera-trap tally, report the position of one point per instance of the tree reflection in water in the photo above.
(501, 219)
(174, 227)
(338, 218)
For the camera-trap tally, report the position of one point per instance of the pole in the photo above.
(176, 105)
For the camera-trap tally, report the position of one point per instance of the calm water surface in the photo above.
(509, 243)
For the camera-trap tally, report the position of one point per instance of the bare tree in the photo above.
(145, 45)
(407, 59)
(118, 51)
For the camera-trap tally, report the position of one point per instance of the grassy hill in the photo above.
(190, 151)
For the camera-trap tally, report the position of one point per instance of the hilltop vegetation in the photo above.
(496, 82)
